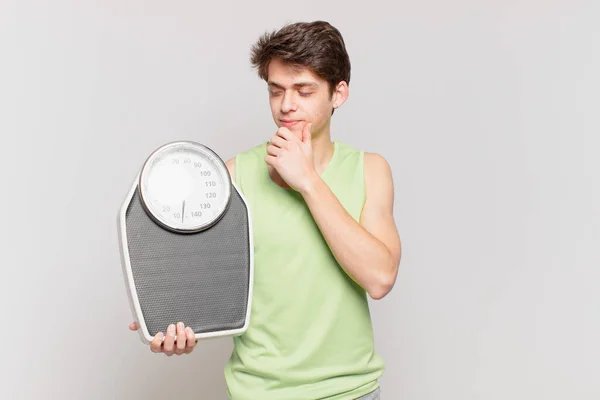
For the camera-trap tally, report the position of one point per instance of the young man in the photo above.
(324, 235)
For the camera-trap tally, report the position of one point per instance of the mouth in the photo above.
(289, 123)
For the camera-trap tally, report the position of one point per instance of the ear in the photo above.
(340, 94)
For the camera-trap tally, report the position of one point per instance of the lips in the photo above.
(289, 123)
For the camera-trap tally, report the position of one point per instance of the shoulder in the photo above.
(231, 167)
(376, 165)
(255, 152)
(371, 160)
(378, 175)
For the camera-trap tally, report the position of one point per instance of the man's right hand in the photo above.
(185, 343)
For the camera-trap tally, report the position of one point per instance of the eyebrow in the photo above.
(297, 84)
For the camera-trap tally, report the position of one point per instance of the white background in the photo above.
(488, 113)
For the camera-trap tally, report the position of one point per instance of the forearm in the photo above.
(364, 258)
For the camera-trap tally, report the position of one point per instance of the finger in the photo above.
(271, 160)
(181, 338)
(157, 342)
(286, 134)
(273, 150)
(278, 141)
(169, 340)
(191, 340)
(133, 326)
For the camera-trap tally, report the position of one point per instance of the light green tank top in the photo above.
(310, 334)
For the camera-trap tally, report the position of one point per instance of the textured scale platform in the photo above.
(201, 279)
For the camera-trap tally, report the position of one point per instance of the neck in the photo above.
(322, 149)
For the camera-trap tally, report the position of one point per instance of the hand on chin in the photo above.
(289, 157)
(275, 177)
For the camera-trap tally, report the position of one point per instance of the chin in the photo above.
(296, 130)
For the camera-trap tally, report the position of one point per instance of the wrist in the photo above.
(312, 185)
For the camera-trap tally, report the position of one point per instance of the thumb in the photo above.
(306, 133)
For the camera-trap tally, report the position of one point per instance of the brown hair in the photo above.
(316, 45)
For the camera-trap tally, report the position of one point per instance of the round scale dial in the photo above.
(185, 187)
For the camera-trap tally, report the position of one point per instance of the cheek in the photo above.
(315, 110)
(320, 112)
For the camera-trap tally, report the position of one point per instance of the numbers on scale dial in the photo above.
(187, 189)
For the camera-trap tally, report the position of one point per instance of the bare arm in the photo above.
(369, 251)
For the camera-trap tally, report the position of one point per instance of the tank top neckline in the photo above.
(332, 160)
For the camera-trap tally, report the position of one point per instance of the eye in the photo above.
(305, 94)
(274, 93)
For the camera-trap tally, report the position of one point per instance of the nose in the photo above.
(288, 103)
